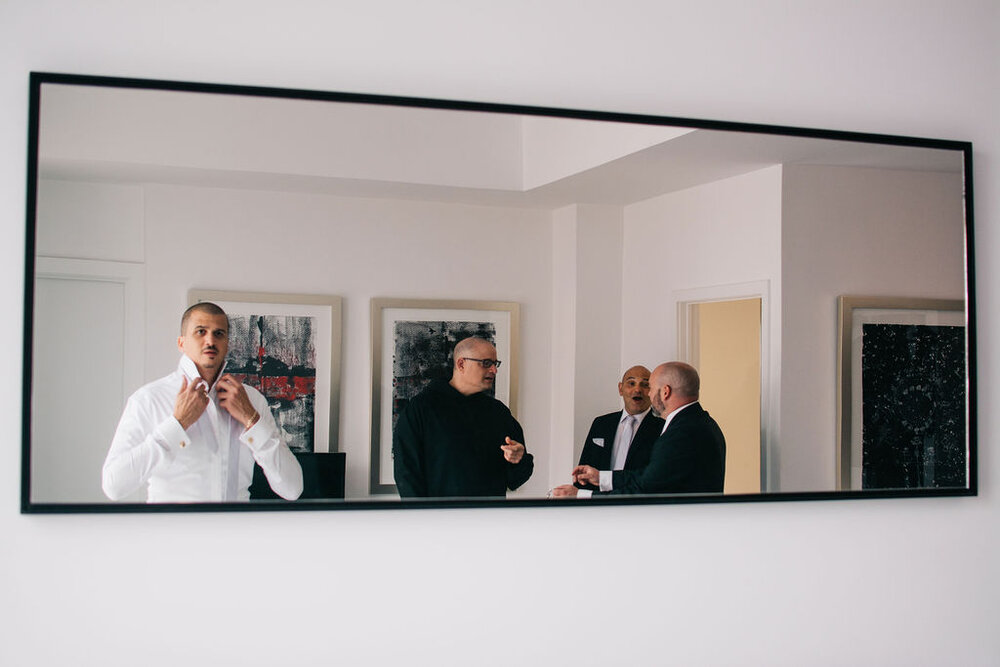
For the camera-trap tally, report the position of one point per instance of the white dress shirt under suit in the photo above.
(628, 426)
(605, 475)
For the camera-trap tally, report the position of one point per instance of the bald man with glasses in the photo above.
(455, 440)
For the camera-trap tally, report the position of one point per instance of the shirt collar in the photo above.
(638, 417)
(670, 417)
(190, 371)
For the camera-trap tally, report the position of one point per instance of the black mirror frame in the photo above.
(36, 80)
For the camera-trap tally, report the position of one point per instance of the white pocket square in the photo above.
(598, 441)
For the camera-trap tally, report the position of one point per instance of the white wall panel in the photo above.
(882, 582)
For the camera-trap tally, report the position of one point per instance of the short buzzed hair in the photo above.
(466, 344)
(202, 307)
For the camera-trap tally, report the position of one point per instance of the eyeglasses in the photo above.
(485, 363)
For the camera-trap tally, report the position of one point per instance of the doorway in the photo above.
(723, 341)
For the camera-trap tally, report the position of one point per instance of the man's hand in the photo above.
(191, 402)
(234, 400)
(586, 475)
(564, 491)
(513, 451)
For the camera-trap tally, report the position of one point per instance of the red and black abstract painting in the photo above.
(276, 354)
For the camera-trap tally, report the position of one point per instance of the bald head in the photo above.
(470, 347)
(468, 375)
(672, 385)
(683, 378)
(634, 389)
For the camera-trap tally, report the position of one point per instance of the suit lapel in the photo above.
(640, 434)
(608, 430)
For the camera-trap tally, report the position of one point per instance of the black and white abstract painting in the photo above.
(422, 352)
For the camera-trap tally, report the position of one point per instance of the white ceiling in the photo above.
(346, 149)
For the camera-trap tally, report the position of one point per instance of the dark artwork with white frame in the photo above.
(903, 396)
(422, 352)
(913, 398)
(412, 344)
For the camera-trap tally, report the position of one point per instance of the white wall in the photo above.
(708, 242)
(598, 331)
(722, 233)
(834, 245)
(357, 249)
(862, 582)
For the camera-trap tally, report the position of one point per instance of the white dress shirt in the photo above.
(619, 450)
(210, 462)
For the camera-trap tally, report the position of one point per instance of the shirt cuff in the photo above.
(605, 480)
(258, 435)
(173, 434)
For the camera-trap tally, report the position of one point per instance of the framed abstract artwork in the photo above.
(287, 346)
(903, 399)
(412, 341)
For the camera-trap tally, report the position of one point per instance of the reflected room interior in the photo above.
(620, 240)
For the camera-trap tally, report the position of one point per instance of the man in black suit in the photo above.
(623, 440)
(689, 456)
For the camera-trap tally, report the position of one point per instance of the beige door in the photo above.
(725, 348)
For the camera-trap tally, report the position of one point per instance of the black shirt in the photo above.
(447, 444)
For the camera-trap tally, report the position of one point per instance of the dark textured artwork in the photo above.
(277, 356)
(422, 352)
(913, 398)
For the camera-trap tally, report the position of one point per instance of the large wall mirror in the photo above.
(820, 281)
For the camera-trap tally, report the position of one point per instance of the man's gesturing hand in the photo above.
(564, 491)
(234, 400)
(191, 402)
(586, 475)
(513, 451)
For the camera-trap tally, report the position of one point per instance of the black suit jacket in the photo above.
(690, 457)
(605, 427)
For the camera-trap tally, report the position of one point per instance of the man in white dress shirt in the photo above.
(194, 435)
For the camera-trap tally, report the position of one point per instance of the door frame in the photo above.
(684, 301)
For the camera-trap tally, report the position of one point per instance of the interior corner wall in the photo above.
(598, 318)
(562, 388)
(722, 233)
(897, 235)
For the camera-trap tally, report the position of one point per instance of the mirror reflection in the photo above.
(588, 249)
